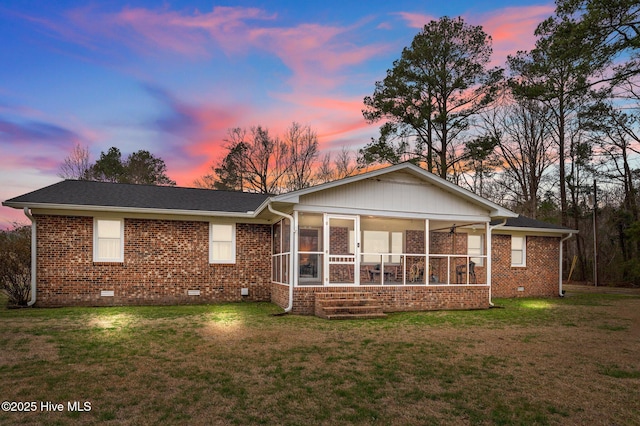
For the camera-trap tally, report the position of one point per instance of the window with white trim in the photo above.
(475, 247)
(518, 250)
(381, 242)
(222, 243)
(108, 240)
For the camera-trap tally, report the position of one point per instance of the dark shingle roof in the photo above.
(527, 222)
(103, 194)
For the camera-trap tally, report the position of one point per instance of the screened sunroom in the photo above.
(402, 234)
(401, 226)
(352, 250)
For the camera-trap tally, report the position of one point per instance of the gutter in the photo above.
(33, 256)
(560, 290)
(489, 263)
(128, 210)
(292, 273)
(537, 231)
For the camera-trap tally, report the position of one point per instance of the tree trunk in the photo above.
(563, 175)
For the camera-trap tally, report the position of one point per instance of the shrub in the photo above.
(15, 264)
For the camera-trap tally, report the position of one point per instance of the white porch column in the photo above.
(427, 251)
(294, 249)
(488, 252)
(489, 230)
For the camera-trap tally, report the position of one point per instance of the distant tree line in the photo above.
(140, 167)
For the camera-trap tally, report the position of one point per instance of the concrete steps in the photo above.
(347, 305)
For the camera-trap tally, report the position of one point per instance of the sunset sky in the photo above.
(172, 77)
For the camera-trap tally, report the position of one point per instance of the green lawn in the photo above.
(545, 361)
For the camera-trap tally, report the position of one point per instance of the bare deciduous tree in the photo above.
(263, 162)
(325, 171)
(301, 144)
(258, 162)
(525, 146)
(345, 164)
(76, 165)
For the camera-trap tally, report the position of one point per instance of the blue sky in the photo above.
(173, 77)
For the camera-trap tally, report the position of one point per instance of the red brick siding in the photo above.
(280, 294)
(414, 243)
(162, 260)
(405, 298)
(339, 240)
(539, 278)
(443, 243)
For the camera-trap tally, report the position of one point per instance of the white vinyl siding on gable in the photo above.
(222, 243)
(108, 240)
(518, 250)
(398, 192)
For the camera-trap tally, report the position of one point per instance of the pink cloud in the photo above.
(9, 217)
(512, 28)
(304, 42)
(315, 53)
(202, 126)
(312, 51)
(46, 160)
(338, 122)
(149, 31)
(416, 20)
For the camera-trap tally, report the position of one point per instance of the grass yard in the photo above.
(549, 361)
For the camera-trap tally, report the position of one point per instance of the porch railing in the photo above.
(388, 269)
(397, 269)
(412, 269)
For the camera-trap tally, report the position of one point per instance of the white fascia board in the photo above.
(540, 231)
(262, 206)
(114, 209)
(502, 213)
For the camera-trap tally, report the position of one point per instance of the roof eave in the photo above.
(262, 206)
(119, 209)
(539, 230)
(502, 213)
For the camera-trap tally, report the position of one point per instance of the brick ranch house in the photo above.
(409, 239)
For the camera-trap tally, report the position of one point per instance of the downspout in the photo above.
(33, 256)
(489, 263)
(292, 273)
(560, 291)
